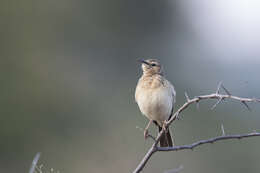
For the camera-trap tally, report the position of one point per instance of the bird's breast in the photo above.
(156, 103)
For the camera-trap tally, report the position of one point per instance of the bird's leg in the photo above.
(146, 133)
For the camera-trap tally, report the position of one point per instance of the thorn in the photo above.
(177, 116)
(197, 105)
(223, 130)
(215, 105)
(247, 106)
(228, 93)
(219, 85)
(187, 97)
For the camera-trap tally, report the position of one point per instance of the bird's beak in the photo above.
(143, 61)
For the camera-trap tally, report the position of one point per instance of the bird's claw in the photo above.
(146, 134)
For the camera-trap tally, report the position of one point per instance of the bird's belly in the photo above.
(156, 105)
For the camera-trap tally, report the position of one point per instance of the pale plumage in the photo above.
(155, 96)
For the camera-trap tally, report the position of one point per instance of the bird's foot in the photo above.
(146, 134)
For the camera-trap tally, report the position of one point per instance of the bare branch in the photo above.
(207, 97)
(147, 156)
(154, 148)
(34, 162)
(211, 140)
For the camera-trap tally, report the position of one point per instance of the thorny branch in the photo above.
(219, 97)
(211, 140)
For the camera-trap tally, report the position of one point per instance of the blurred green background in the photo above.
(69, 71)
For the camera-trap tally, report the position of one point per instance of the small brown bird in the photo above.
(155, 97)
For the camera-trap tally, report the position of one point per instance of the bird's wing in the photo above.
(173, 93)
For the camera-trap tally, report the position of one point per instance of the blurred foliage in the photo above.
(68, 75)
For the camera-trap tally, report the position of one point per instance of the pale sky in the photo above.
(231, 29)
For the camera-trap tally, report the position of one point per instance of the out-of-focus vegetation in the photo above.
(68, 75)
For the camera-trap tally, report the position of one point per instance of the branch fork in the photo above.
(217, 95)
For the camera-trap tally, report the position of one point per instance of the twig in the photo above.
(211, 140)
(207, 97)
(228, 93)
(219, 86)
(176, 115)
(246, 105)
(147, 156)
(215, 105)
(34, 162)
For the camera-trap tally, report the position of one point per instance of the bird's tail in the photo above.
(166, 139)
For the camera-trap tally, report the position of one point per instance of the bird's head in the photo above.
(151, 67)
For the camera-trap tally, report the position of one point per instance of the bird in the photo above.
(155, 97)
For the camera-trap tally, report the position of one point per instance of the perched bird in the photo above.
(155, 97)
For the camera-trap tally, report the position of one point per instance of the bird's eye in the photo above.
(153, 64)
